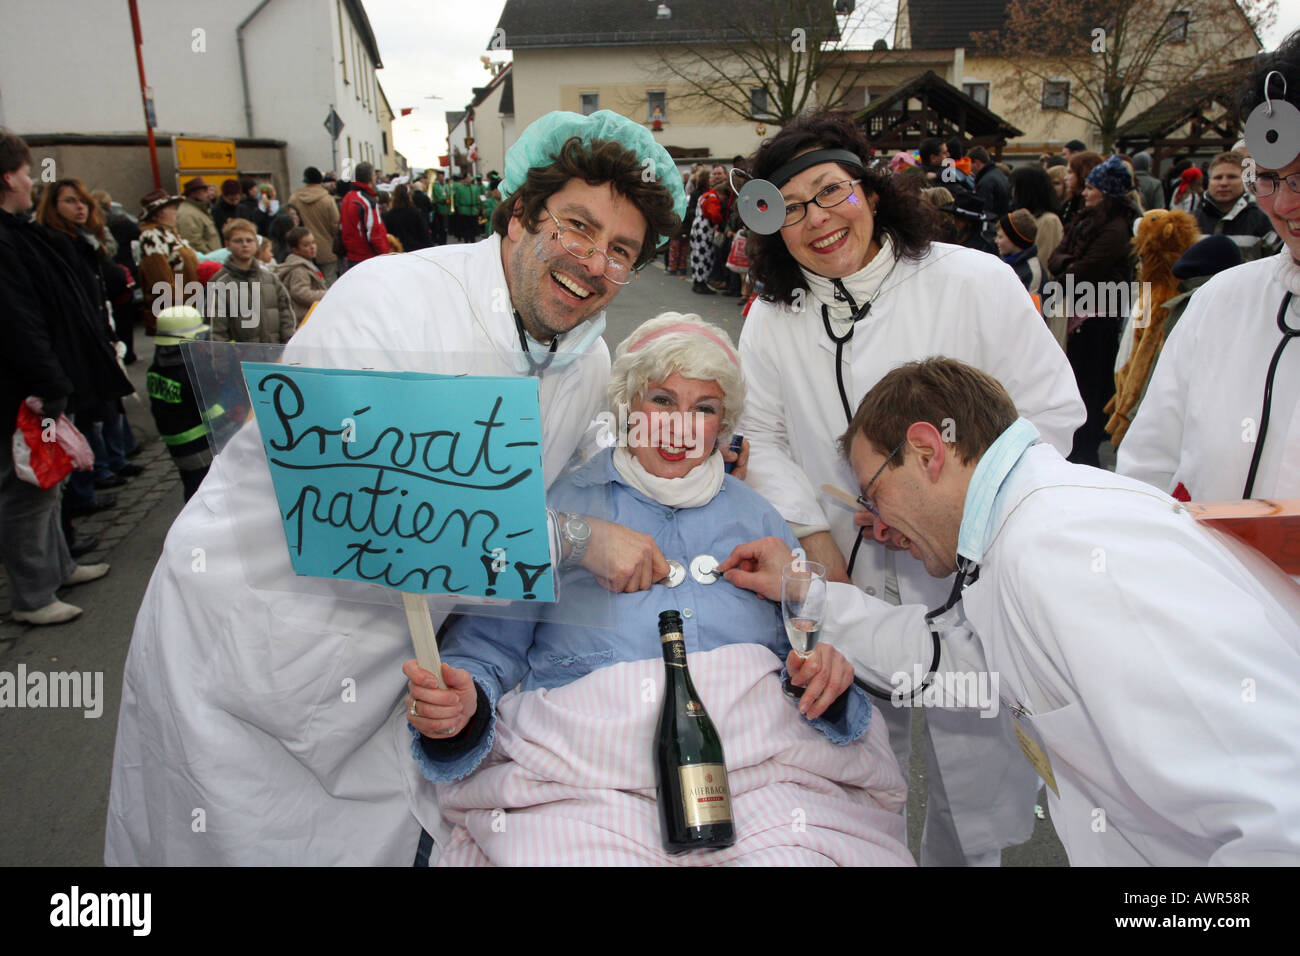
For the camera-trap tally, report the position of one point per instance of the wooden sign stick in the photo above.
(423, 636)
(843, 496)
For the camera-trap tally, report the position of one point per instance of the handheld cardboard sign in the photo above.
(424, 483)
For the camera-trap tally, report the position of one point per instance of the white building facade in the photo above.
(264, 70)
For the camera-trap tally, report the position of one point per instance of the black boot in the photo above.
(702, 288)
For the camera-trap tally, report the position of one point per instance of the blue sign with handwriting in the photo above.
(419, 482)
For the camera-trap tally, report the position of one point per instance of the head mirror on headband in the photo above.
(1273, 129)
(761, 205)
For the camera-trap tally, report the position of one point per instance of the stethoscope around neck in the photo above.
(535, 367)
(1288, 333)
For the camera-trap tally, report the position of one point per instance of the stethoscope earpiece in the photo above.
(1273, 129)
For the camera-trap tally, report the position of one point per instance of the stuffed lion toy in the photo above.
(1163, 235)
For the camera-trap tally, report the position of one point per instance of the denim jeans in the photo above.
(117, 439)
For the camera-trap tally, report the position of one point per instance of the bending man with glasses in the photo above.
(852, 288)
(1221, 417)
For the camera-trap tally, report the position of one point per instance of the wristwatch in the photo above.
(576, 533)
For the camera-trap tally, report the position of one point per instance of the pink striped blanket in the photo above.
(570, 779)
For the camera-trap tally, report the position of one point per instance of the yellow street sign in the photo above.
(205, 153)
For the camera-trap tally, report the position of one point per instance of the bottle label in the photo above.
(705, 798)
(674, 646)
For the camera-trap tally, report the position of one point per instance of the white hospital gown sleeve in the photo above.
(882, 641)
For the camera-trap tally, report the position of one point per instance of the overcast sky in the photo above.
(432, 48)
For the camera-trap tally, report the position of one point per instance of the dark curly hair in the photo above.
(1286, 60)
(897, 215)
(604, 161)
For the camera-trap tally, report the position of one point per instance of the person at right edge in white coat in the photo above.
(1201, 424)
(1151, 664)
(853, 287)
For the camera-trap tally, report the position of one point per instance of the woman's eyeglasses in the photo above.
(832, 195)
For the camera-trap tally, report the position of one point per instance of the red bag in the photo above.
(44, 460)
(737, 260)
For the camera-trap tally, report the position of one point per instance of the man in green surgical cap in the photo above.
(231, 699)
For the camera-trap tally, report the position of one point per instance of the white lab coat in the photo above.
(956, 302)
(1158, 663)
(1197, 424)
(261, 718)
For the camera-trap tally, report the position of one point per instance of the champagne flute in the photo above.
(803, 607)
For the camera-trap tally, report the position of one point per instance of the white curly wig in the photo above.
(707, 354)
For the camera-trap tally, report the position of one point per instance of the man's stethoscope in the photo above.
(1288, 333)
(535, 367)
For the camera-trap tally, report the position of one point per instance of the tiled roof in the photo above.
(944, 24)
(572, 23)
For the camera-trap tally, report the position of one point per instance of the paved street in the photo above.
(55, 763)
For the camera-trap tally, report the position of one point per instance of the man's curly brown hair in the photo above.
(603, 161)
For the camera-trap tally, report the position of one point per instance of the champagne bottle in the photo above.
(691, 771)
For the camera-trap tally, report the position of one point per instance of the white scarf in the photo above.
(697, 487)
(862, 285)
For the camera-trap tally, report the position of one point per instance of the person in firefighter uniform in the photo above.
(852, 288)
(262, 716)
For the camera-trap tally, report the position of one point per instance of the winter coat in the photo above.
(1096, 247)
(56, 346)
(1243, 218)
(1027, 267)
(251, 305)
(1153, 193)
(221, 212)
(1050, 233)
(195, 224)
(364, 235)
(410, 226)
(305, 282)
(994, 188)
(319, 213)
(164, 258)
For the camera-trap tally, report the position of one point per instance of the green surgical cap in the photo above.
(540, 144)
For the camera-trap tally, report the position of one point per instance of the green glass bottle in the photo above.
(690, 769)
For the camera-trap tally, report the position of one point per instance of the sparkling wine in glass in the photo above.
(803, 607)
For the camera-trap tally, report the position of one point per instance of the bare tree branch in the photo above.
(1118, 52)
(792, 50)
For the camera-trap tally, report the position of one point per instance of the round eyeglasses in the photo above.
(832, 195)
(580, 245)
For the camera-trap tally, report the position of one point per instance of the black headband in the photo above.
(797, 165)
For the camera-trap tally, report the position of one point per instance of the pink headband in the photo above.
(687, 327)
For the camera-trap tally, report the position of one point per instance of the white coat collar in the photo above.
(986, 483)
(861, 285)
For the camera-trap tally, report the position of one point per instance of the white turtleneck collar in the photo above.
(1288, 272)
(862, 285)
